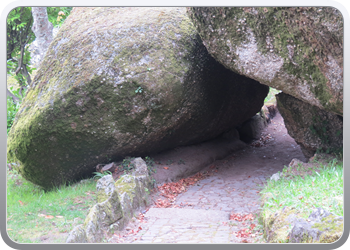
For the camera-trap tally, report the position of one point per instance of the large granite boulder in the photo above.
(311, 127)
(298, 50)
(119, 82)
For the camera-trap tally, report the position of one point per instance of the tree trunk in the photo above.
(42, 29)
(15, 99)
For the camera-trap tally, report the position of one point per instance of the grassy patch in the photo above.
(305, 187)
(36, 216)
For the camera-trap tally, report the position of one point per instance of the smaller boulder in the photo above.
(117, 203)
(276, 176)
(252, 128)
(321, 227)
(111, 167)
(287, 226)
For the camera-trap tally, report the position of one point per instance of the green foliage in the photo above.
(181, 162)
(57, 15)
(150, 165)
(139, 90)
(19, 36)
(304, 191)
(270, 98)
(127, 165)
(99, 175)
(12, 108)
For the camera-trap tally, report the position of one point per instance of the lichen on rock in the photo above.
(321, 227)
(298, 50)
(117, 203)
(288, 226)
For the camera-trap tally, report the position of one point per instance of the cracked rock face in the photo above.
(119, 82)
(296, 50)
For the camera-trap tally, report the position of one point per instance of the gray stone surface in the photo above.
(117, 203)
(298, 50)
(311, 127)
(321, 226)
(187, 214)
(252, 128)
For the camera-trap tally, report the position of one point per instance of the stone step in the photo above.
(189, 215)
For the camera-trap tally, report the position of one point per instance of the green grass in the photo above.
(307, 187)
(36, 216)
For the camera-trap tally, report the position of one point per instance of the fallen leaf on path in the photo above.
(239, 217)
(173, 189)
(166, 167)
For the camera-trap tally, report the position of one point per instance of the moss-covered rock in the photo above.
(321, 227)
(311, 127)
(119, 82)
(117, 203)
(298, 50)
(277, 226)
(287, 226)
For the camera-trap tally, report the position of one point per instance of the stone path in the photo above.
(233, 188)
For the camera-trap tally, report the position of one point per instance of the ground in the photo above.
(278, 150)
(225, 193)
(220, 202)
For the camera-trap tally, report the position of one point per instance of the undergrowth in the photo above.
(305, 188)
(34, 215)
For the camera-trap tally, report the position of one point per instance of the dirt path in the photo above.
(202, 213)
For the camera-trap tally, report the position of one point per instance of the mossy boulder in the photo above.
(119, 82)
(298, 50)
(288, 226)
(311, 127)
(118, 201)
(326, 228)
